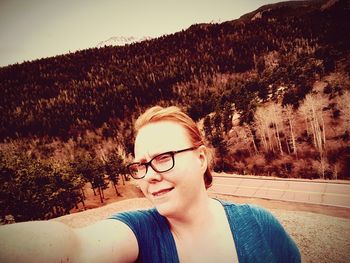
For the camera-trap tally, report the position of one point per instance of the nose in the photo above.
(152, 175)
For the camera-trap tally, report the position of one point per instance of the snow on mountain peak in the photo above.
(121, 41)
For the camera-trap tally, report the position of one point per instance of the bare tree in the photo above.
(244, 135)
(344, 105)
(276, 119)
(268, 121)
(262, 126)
(250, 135)
(312, 109)
(290, 118)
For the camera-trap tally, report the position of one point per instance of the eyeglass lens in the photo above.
(160, 163)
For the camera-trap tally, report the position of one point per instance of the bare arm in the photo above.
(107, 241)
(48, 241)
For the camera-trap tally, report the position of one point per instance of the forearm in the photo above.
(39, 241)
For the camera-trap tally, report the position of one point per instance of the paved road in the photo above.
(314, 192)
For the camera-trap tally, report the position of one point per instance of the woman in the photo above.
(171, 163)
(185, 225)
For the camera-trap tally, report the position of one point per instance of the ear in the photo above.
(202, 151)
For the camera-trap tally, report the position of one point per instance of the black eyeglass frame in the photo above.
(149, 163)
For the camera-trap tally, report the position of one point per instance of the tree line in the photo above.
(62, 95)
(32, 188)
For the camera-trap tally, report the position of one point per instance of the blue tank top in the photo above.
(258, 235)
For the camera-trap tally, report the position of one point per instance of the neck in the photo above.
(198, 215)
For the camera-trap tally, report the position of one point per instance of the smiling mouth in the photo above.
(162, 192)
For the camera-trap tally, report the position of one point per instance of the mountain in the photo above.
(278, 41)
(289, 44)
(276, 55)
(270, 92)
(121, 41)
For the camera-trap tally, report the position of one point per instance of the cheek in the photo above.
(190, 173)
(143, 186)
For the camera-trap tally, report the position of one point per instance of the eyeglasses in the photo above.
(160, 164)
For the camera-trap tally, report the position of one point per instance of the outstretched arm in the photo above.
(48, 241)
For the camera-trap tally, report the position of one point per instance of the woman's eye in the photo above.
(163, 158)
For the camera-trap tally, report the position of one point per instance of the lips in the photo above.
(162, 191)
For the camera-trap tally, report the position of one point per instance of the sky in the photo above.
(32, 29)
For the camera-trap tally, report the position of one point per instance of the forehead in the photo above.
(159, 137)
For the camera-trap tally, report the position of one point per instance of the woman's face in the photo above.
(174, 190)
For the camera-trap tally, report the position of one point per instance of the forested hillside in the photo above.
(270, 90)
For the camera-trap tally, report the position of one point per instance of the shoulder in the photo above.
(135, 214)
(252, 222)
(245, 211)
(253, 215)
(150, 230)
(107, 240)
(138, 218)
(145, 224)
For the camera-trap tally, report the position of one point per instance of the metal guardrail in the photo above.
(253, 177)
(292, 190)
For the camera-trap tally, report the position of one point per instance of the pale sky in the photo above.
(31, 29)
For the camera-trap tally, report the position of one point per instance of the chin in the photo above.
(166, 208)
